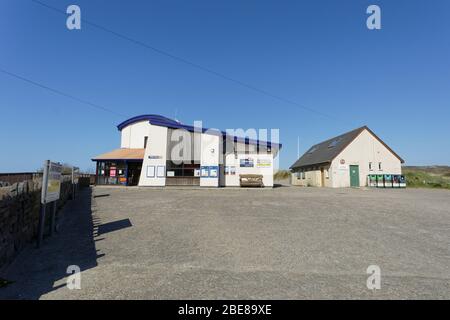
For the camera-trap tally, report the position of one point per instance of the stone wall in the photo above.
(7, 179)
(19, 216)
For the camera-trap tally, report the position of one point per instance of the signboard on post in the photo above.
(75, 175)
(51, 187)
(51, 182)
(75, 180)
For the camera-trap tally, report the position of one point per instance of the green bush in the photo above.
(282, 175)
(423, 179)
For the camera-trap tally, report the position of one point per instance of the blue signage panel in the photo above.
(213, 171)
(246, 163)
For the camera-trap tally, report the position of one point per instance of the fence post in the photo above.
(75, 177)
(53, 220)
(44, 204)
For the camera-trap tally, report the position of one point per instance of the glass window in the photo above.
(182, 170)
(334, 143)
(111, 172)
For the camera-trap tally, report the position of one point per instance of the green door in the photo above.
(354, 176)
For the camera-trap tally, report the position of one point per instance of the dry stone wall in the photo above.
(19, 216)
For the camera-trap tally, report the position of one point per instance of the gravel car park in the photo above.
(280, 243)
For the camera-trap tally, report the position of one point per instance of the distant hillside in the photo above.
(427, 176)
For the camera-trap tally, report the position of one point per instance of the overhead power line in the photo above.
(187, 62)
(61, 93)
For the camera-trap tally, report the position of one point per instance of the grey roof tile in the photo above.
(327, 150)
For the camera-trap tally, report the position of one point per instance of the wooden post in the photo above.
(53, 219)
(41, 227)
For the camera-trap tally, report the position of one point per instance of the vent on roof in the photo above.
(334, 143)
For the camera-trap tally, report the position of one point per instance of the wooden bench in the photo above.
(251, 180)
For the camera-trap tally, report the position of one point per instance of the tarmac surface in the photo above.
(281, 243)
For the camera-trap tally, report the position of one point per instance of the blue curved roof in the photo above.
(162, 121)
(148, 117)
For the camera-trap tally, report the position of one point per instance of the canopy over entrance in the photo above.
(121, 154)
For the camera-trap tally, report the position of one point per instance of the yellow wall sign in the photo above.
(264, 163)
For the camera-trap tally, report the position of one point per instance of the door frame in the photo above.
(322, 177)
(350, 171)
(134, 169)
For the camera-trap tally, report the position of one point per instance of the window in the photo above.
(263, 149)
(334, 143)
(370, 166)
(251, 148)
(182, 170)
(150, 171)
(145, 142)
(312, 150)
(379, 166)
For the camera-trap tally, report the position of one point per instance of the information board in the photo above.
(51, 182)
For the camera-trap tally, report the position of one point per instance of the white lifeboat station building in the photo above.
(158, 151)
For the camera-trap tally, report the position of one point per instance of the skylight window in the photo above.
(334, 143)
(312, 150)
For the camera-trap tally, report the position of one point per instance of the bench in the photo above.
(251, 180)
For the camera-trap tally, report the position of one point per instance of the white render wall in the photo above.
(313, 178)
(364, 149)
(211, 152)
(132, 136)
(155, 156)
(266, 171)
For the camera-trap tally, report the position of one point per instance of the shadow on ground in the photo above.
(112, 226)
(279, 185)
(36, 272)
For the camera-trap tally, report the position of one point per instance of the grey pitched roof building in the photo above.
(325, 152)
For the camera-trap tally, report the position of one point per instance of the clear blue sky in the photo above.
(317, 53)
